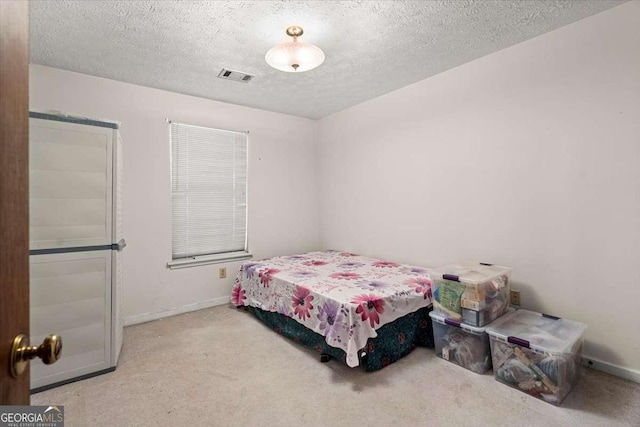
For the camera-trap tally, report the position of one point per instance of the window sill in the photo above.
(208, 259)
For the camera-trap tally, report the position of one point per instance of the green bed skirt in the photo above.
(394, 341)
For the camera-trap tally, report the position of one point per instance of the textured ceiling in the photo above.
(371, 47)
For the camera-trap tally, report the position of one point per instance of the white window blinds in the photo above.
(208, 191)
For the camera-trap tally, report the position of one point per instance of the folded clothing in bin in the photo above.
(464, 345)
(536, 353)
(471, 292)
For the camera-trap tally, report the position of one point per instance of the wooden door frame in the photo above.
(14, 192)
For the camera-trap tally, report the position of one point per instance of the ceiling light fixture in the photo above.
(294, 56)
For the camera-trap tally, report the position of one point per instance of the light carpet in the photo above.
(222, 367)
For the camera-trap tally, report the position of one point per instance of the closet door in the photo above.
(71, 296)
(70, 184)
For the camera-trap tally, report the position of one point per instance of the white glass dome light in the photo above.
(295, 56)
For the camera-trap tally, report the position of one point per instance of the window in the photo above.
(208, 195)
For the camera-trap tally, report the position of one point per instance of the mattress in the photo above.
(339, 295)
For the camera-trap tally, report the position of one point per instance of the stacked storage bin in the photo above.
(467, 297)
(473, 293)
(537, 353)
(464, 345)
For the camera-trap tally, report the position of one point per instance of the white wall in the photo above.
(528, 157)
(283, 207)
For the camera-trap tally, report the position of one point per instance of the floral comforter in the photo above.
(341, 296)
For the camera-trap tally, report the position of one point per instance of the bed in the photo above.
(363, 311)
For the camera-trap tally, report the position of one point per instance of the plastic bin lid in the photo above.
(470, 272)
(537, 331)
(452, 322)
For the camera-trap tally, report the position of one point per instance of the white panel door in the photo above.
(70, 184)
(71, 297)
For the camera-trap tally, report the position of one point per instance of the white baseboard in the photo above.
(148, 317)
(608, 368)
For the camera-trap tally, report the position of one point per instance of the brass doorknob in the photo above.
(21, 353)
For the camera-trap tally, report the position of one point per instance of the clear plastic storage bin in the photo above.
(473, 293)
(464, 345)
(537, 354)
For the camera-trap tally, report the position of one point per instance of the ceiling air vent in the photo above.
(236, 76)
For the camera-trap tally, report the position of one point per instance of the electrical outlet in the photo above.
(515, 297)
(222, 273)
